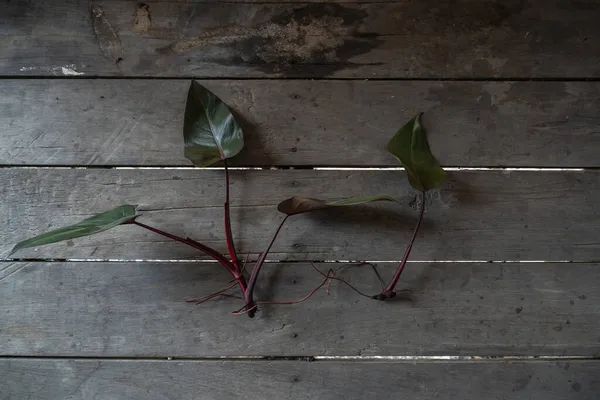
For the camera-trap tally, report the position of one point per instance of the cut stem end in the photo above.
(385, 295)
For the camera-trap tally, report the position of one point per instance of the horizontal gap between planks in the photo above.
(304, 168)
(355, 262)
(411, 359)
(309, 78)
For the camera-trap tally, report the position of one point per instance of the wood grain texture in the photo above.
(487, 215)
(405, 39)
(153, 380)
(138, 310)
(124, 122)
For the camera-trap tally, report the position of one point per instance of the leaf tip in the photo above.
(285, 205)
(411, 147)
(16, 248)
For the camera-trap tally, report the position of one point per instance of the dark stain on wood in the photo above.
(578, 5)
(144, 26)
(107, 38)
(538, 96)
(142, 21)
(473, 16)
(324, 36)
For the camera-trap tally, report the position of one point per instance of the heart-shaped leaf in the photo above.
(298, 204)
(410, 146)
(210, 131)
(95, 224)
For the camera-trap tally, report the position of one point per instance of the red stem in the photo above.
(250, 306)
(203, 248)
(388, 292)
(227, 216)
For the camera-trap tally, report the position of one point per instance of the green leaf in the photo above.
(210, 131)
(410, 146)
(298, 204)
(97, 223)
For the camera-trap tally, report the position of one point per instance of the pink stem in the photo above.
(388, 292)
(203, 248)
(250, 306)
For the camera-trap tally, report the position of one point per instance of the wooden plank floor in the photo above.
(137, 310)
(502, 292)
(298, 122)
(478, 215)
(297, 380)
(364, 39)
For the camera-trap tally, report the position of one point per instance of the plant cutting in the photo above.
(212, 135)
(411, 148)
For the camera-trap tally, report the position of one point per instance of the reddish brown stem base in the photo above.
(389, 291)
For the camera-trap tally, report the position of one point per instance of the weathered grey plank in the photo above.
(468, 38)
(487, 215)
(149, 380)
(138, 309)
(116, 122)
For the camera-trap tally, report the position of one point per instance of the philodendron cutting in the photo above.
(212, 135)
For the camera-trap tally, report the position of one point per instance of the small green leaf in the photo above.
(298, 204)
(410, 146)
(95, 224)
(210, 131)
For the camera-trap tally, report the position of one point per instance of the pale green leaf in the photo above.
(411, 148)
(298, 204)
(89, 226)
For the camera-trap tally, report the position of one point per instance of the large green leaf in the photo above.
(298, 204)
(210, 131)
(95, 224)
(410, 146)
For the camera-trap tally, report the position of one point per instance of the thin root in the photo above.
(240, 312)
(376, 273)
(373, 266)
(244, 264)
(330, 276)
(309, 295)
(212, 296)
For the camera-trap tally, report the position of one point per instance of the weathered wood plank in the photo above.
(149, 380)
(116, 122)
(488, 215)
(138, 309)
(414, 39)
